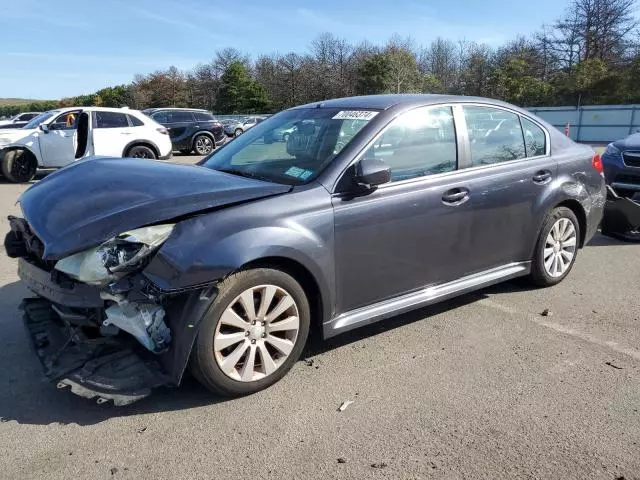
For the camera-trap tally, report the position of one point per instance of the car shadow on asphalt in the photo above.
(604, 241)
(27, 398)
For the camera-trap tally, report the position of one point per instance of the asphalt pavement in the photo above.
(484, 386)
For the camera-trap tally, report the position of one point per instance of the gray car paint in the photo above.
(366, 249)
(361, 256)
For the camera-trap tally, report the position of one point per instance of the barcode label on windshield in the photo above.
(354, 115)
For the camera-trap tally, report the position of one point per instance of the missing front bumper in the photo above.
(621, 217)
(106, 368)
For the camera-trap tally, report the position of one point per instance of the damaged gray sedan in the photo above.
(373, 206)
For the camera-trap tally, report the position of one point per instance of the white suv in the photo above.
(59, 137)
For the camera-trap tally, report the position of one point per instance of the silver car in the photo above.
(235, 129)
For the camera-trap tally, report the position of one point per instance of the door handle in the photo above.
(126, 133)
(541, 177)
(455, 196)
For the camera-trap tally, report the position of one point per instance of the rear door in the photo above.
(57, 145)
(111, 133)
(508, 173)
(181, 127)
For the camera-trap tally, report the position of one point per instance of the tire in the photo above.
(285, 137)
(237, 132)
(203, 144)
(562, 244)
(19, 166)
(227, 336)
(141, 151)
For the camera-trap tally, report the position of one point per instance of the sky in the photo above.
(71, 47)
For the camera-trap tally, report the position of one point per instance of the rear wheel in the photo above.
(556, 248)
(238, 132)
(203, 145)
(141, 151)
(19, 166)
(253, 334)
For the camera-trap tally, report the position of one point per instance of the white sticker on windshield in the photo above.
(355, 115)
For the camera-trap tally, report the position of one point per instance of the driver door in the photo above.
(57, 145)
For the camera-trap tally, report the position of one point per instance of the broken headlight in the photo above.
(116, 257)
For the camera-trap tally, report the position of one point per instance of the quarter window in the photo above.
(534, 138)
(135, 121)
(418, 143)
(111, 120)
(495, 135)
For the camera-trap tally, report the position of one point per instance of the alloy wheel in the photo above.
(204, 145)
(560, 247)
(256, 333)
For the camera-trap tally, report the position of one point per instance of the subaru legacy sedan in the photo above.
(373, 206)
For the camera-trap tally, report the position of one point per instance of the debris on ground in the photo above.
(344, 405)
(546, 313)
(114, 470)
(142, 430)
(309, 362)
(379, 465)
(612, 365)
(341, 460)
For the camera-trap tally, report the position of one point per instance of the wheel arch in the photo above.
(13, 148)
(578, 210)
(145, 143)
(301, 274)
(201, 132)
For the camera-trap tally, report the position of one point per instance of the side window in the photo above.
(161, 117)
(66, 121)
(178, 116)
(203, 117)
(111, 120)
(534, 138)
(135, 121)
(495, 135)
(418, 143)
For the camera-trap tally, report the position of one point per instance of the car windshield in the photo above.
(263, 152)
(39, 119)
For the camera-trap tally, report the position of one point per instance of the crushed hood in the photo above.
(98, 198)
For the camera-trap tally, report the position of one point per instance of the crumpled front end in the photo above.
(99, 326)
(622, 216)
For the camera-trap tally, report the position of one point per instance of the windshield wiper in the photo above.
(243, 173)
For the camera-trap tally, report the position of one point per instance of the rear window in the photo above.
(111, 120)
(177, 117)
(203, 117)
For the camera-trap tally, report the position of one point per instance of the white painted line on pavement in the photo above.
(615, 346)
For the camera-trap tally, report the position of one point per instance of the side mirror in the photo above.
(372, 172)
(44, 128)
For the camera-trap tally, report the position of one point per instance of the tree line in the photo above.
(588, 56)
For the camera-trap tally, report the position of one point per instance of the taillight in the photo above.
(597, 163)
(163, 130)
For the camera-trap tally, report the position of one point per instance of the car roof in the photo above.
(176, 108)
(384, 102)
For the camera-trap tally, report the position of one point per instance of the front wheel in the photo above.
(253, 333)
(203, 145)
(556, 249)
(141, 151)
(19, 166)
(238, 132)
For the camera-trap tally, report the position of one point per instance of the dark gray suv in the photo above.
(372, 207)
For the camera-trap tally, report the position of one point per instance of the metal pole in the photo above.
(633, 114)
(579, 123)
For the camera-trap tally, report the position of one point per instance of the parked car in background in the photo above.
(19, 120)
(621, 163)
(238, 127)
(375, 206)
(59, 137)
(190, 129)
